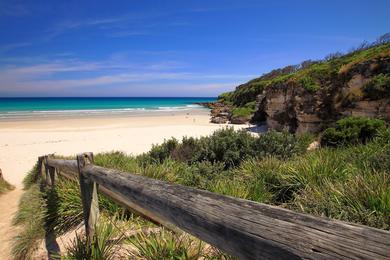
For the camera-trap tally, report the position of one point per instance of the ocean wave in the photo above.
(72, 112)
(194, 106)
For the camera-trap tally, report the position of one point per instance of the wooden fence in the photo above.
(246, 229)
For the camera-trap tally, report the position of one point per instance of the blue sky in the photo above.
(169, 48)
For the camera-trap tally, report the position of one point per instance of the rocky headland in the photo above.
(311, 96)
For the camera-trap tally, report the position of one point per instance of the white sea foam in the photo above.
(86, 112)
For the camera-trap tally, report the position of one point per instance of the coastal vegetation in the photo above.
(313, 94)
(310, 74)
(4, 185)
(352, 130)
(346, 180)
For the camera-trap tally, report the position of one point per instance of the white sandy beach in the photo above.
(21, 142)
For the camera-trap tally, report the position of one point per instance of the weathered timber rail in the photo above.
(246, 229)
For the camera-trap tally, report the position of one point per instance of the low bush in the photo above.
(309, 84)
(229, 147)
(378, 87)
(348, 183)
(282, 145)
(244, 113)
(352, 130)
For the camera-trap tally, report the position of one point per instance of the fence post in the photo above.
(48, 170)
(41, 162)
(89, 196)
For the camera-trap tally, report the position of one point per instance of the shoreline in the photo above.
(100, 113)
(22, 141)
(195, 116)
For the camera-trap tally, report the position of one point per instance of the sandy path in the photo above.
(22, 142)
(8, 201)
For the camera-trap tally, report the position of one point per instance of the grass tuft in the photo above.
(31, 218)
(106, 242)
(5, 186)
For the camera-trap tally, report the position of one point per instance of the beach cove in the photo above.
(22, 141)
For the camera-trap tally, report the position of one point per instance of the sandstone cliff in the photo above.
(309, 98)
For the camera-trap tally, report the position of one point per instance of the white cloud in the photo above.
(48, 78)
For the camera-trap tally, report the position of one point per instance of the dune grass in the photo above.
(106, 242)
(31, 219)
(5, 186)
(168, 245)
(350, 183)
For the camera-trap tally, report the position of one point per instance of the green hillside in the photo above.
(313, 76)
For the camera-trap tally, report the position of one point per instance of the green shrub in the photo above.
(245, 113)
(163, 151)
(246, 93)
(352, 130)
(378, 87)
(228, 147)
(309, 84)
(226, 98)
(281, 145)
(201, 174)
(184, 152)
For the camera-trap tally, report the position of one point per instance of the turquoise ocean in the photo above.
(20, 108)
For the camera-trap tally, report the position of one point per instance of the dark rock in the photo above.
(220, 113)
(239, 120)
(219, 120)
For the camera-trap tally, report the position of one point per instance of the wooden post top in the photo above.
(84, 159)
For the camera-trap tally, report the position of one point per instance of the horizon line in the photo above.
(114, 97)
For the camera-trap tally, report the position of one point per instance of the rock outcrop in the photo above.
(291, 106)
(331, 92)
(220, 113)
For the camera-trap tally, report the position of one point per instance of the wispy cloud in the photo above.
(13, 9)
(120, 26)
(52, 77)
(122, 34)
(75, 24)
(8, 47)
